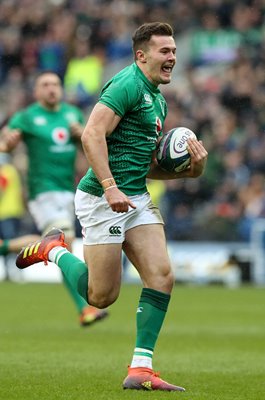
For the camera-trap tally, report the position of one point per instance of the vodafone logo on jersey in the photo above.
(60, 135)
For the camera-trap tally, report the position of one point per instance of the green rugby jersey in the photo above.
(50, 146)
(142, 109)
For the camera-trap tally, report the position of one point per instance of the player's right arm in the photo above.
(9, 139)
(101, 123)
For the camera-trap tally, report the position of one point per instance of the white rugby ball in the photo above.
(172, 154)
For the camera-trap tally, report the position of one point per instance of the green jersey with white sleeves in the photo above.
(50, 146)
(142, 109)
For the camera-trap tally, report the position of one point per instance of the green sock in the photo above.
(149, 319)
(79, 301)
(74, 270)
(4, 248)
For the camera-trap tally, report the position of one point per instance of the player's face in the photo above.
(158, 61)
(48, 90)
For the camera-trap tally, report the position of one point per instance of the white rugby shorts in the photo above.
(54, 209)
(101, 225)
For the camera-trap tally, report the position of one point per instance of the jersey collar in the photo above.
(151, 86)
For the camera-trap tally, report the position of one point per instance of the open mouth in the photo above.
(167, 69)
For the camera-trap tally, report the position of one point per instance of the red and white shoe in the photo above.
(146, 379)
(38, 251)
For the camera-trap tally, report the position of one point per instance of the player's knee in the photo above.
(162, 281)
(102, 299)
(170, 280)
(166, 280)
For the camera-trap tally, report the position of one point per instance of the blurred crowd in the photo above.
(218, 90)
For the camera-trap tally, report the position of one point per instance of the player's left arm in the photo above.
(76, 130)
(198, 155)
(77, 127)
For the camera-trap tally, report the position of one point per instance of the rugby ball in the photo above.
(172, 154)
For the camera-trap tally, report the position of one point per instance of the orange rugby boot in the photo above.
(91, 314)
(38, 251)
(146, 379)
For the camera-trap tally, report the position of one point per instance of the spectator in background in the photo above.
(56, 42)
(212, 45)
(239, 89)
(11, 198)
(255, 148)
(83, 75)
(119, 44)
(11, 206)
(10, 51)
(252, 200)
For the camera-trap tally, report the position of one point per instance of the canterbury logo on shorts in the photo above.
(115, 230)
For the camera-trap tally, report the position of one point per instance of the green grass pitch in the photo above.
(212, 343)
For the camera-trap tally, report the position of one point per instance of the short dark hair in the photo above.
(47, 72)
(143, 34)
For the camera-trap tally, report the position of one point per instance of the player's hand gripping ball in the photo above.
(172, 154)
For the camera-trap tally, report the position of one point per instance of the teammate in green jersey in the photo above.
(51, 130)
(112, 202)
